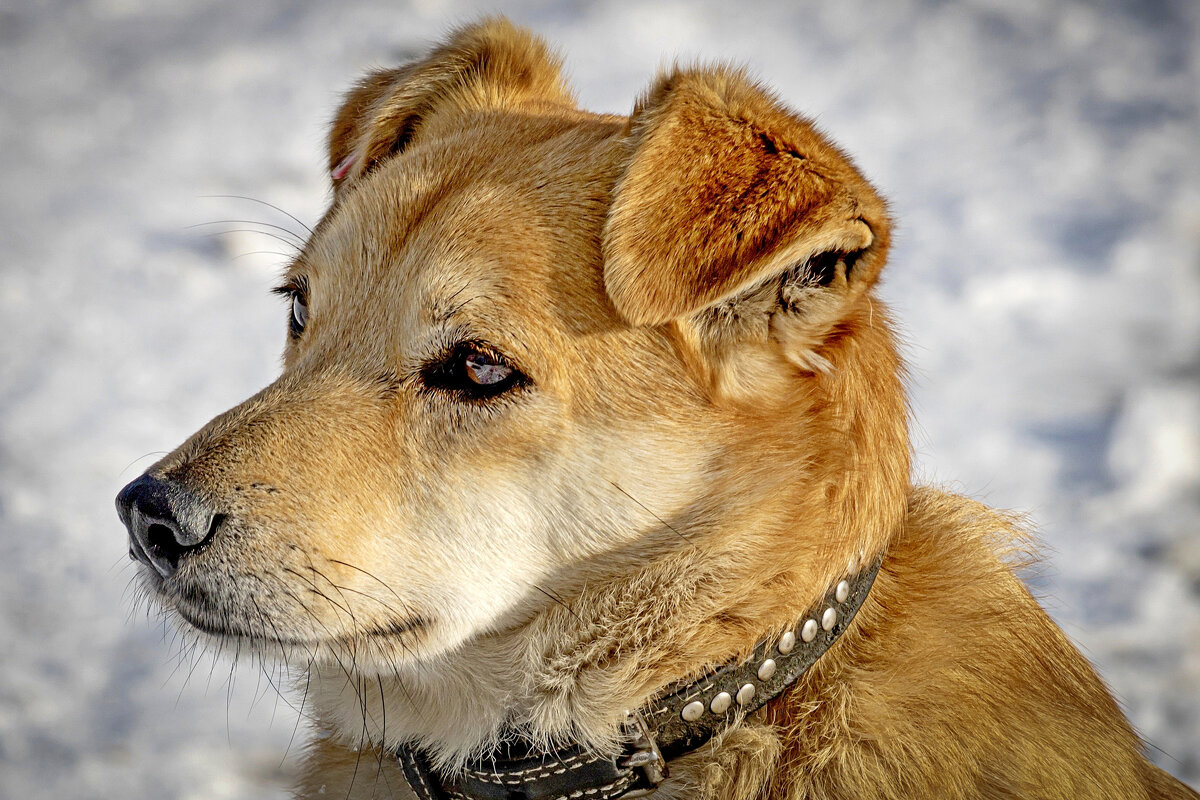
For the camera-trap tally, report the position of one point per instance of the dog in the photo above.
(587, 474)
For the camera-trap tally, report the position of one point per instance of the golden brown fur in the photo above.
(714, 426)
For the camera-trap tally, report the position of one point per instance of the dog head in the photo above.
(533, 352)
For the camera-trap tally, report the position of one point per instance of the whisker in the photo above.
(237, 653)
(329, 634)
(280, 694)
(262, 619)
(651, 513)
(299, 239)
(179, 661)
(408, 612)
(382, 734)
(362, 740)
(274, 236)
(354, 626)
(338, 589)
(139, 458)
(369, 575)
(558, 600)
(195, 662)
(122, 562)
(299, 712)
(260, 202)
(262, 253)
(316, 590)
(387, 606)
(213, 668)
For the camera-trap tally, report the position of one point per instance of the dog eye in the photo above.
(299, 312)
(474, 371)
(485, 369)
(296, 291)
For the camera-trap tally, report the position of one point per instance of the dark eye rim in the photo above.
(447, 373)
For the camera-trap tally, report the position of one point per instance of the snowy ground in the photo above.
(1042, 158)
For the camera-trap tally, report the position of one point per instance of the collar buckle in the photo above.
(645, 756)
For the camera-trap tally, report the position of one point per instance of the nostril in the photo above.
(162, 547)
(217, 521)
(168, 543)
(162, 537)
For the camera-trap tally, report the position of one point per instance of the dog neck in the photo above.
(571, 674)
(671, 725)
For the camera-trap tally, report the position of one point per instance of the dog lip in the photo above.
(138, 554)
(205, 627)
(397, 628)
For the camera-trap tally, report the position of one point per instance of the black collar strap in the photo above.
(669, 726)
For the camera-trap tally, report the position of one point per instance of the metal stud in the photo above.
(809, 631)
(787, 642)
(829, 618)
(693, 711)
(745, 694)
(852, 567)
(720, 703)
(766, 669)
(842, 591)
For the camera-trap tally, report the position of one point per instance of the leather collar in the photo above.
(669, 726)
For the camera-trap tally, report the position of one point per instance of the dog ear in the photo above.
(732, 211)
(485, 65)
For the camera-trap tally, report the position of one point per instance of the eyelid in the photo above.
(294, 285)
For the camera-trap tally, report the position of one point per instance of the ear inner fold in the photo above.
(724, 187)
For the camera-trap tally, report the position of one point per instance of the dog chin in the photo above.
(386, 644)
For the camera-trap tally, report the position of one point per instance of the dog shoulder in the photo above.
(960, 679)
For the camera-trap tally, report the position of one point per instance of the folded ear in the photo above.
(486, 65)
(731, 202)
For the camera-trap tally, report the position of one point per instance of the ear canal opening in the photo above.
(404, 137)
(822, 269)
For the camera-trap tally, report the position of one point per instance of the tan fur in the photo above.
(714, 425)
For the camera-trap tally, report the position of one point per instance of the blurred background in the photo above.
(1041, 158)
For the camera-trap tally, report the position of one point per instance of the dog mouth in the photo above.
(196, 607)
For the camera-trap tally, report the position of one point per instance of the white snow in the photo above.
(1042, 160)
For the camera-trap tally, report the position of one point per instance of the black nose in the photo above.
(165, 522)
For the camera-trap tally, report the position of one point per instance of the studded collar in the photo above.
(669, 726)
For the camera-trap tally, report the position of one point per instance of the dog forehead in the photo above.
(505, 210)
